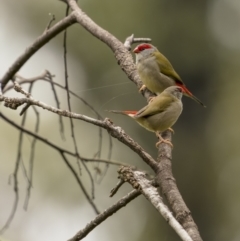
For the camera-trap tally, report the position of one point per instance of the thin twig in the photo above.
(31, 159)
(116, 188)
(32, 152)
(109, 158)
(131, 40)
(104, 161)
(48, 143)
(11, 216)
(114, 131)
(70, 109)
(50, 79)
(80, 183)
(50, 21)
(15, 177)
(44, 76)
(33, 48)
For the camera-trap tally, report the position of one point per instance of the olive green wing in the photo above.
(165, 67)
(158, 105)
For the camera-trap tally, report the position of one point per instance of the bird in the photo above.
(156, 72)
(160, 114)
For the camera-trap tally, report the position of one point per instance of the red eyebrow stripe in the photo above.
(141, 47)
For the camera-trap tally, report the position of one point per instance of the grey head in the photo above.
(144, 50)
(175, 91)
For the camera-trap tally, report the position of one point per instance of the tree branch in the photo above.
(62, 153)
(169, 188)
(115, 131)
(122, 55)
(103, 216)
(33, 48)
(139, 181)
(117, 163)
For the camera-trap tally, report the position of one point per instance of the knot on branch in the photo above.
(12, 103)
(115, 131)
(126, 174)
(183, 216)
(17, 87)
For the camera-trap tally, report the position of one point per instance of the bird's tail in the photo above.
(189, 94)
(130, 113)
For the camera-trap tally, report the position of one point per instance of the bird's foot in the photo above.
(142, 88)
(164, 141)
(171, 130)
(161, 140)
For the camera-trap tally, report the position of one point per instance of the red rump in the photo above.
(130, 112)
(184, 88)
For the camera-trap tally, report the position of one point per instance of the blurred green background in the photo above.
(202, 41)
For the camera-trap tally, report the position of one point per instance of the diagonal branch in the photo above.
(108, 161)
(33, 48)
(122, 55)
(114, 131)
(80, 183)
(78, 157)
(170, 190)
(139, 181)
(106, 214)
(62, 153)
(34, 135)
(57, 148)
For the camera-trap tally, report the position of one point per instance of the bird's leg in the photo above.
(150, 99)
(161, 140)
(171, 130)
(142, 88)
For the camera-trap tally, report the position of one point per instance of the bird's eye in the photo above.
(179, 90)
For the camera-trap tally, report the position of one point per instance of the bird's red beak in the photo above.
(136, 50)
